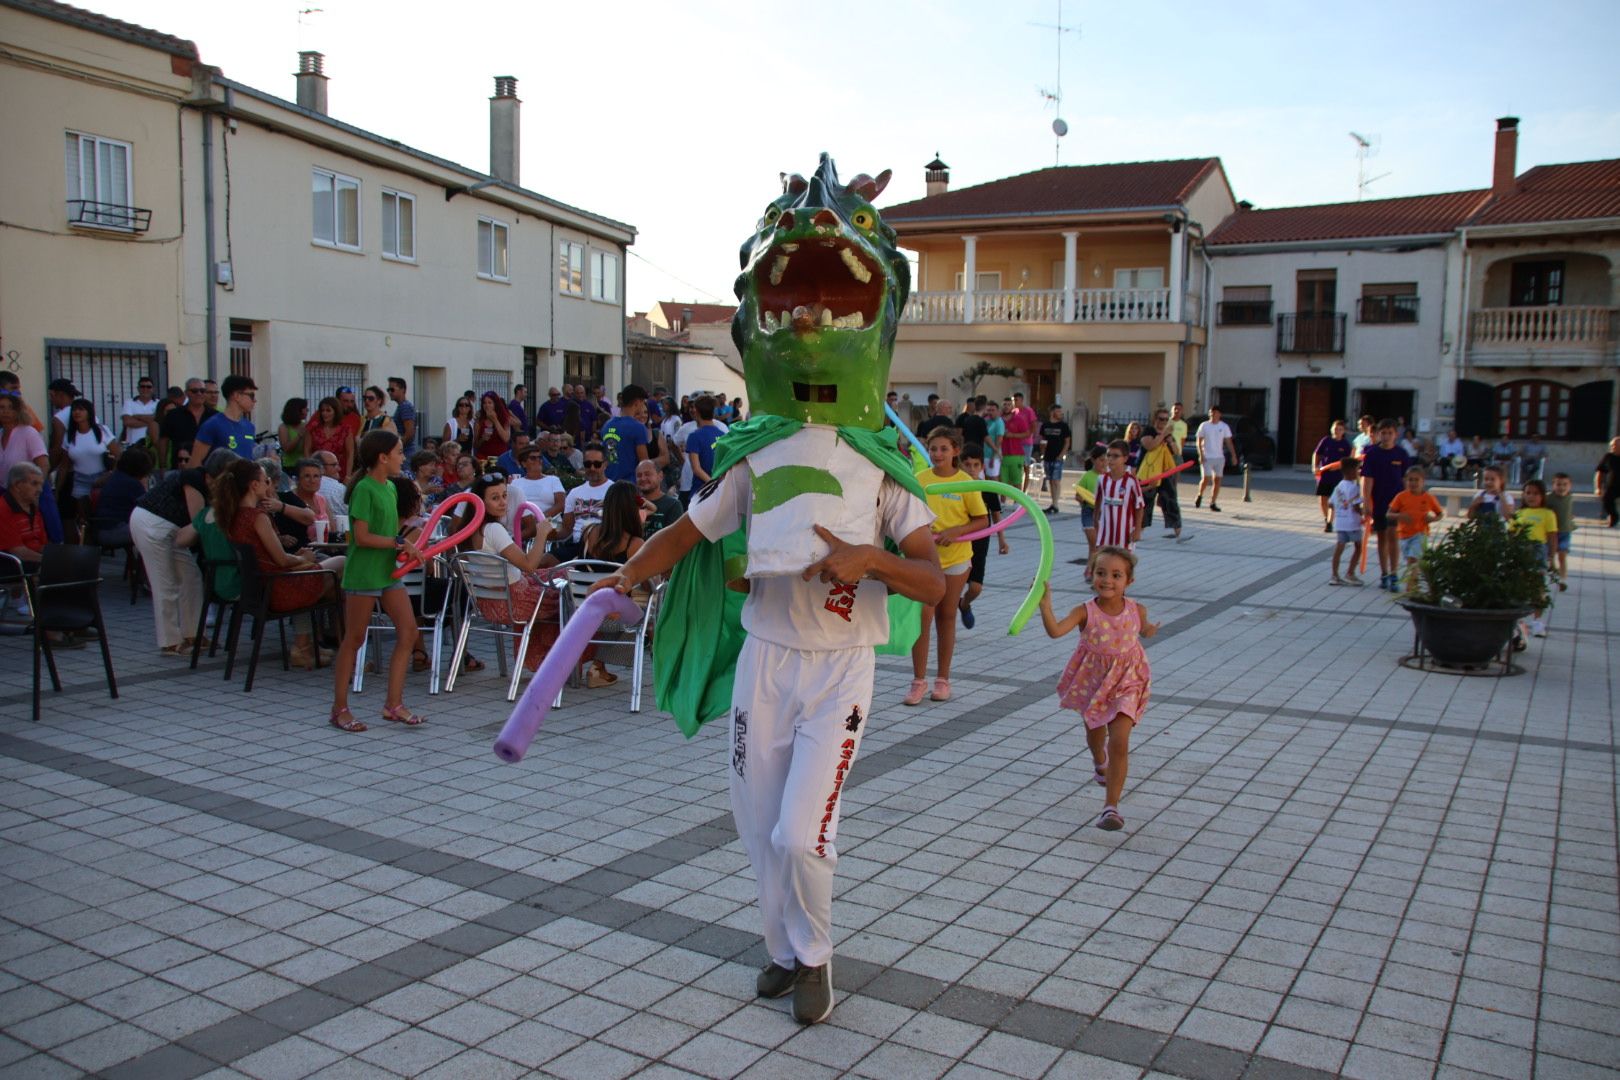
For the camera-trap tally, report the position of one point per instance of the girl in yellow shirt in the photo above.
(1539, 523)
(955, 515)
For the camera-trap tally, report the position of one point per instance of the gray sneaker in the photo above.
(777, 981)
(813, 994)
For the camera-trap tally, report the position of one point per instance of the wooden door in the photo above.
(1042, 390)
(1316, 299)
(1312, 416)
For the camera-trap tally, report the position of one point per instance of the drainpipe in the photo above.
(211, 316)
(1462, 330)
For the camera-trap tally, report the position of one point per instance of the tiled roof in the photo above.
(1066, 189)
(1573, 192)
(673, 311)
(1419, 215)
(104, 24)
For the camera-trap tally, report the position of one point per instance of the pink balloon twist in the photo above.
(991, 530)
(465, 497)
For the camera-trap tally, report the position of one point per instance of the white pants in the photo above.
(177, 584)
(797, 719)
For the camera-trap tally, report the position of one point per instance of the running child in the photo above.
(1414, 510)
(1562, 503)
(954, 515)
(1107, 680)
(1347, 515)
(368, 579)
(1493, 499)
(1539, 523)
(1087, 485)
(1119, 501)
(973, 465)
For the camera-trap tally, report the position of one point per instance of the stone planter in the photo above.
(1463, 637)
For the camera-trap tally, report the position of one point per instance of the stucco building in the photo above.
(163, 219)
(1088, 279)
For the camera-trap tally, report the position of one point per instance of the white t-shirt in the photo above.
(1212, 436)
(136, 407)
(542, 492)
(585, 503)
(496, 539)
(1346, 494)
(679, 439)
(788, 611)
(86, 450)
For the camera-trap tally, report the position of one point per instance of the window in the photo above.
(1538, 284)
(107, 373)
(99, 188)
(487, 380)
(492, 250)
(983, 281)
(571, 268)
(398, 225)
(1245, 305)
(335, 200)
(604, 277)
(587, 368)
(322, 380)
(1389, 303)
(1532, 407)
(241, 347)
(1143, 277)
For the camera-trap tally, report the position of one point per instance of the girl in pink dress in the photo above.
(1107, 679)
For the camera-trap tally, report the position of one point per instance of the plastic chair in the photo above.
(432, 595)
(66, 598)
(482, 576)
(255, 601)
(581, 574)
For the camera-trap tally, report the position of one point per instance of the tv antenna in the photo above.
(1054, 97)
(1366, 147)
(305, 22)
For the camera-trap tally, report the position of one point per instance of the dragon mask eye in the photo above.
(863, 219)
(772, 212)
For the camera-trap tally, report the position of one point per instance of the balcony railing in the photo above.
(1310, 332)
(108, 215)
(1529, 327)
(1041, 305)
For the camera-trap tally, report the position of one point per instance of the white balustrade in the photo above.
(1550, 325)
(1041, 305)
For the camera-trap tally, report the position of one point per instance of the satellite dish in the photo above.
(1059, 127)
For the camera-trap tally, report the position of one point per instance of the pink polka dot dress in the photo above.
(1108, 673)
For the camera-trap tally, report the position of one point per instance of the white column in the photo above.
(1172, 374)
(1068, 362)
(1069, 284)
(1178, 262)
(970, 272)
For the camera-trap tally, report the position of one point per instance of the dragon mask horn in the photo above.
(869, 188)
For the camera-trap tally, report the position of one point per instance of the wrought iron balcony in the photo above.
(1311, 332)
(108, 215)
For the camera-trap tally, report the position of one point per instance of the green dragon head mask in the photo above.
(821, 289)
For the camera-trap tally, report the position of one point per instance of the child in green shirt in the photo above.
(368, 579)
(1562, 503)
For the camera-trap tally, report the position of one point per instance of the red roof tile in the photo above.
(1066, 189)
(106, 24)
(1419, 215)
(673, 312)
(1573, 192)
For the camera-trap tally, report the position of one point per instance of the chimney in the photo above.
(503, 130)
(1505, 171)
(938, 176)
(311, 82)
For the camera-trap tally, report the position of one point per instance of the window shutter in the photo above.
(407, 228)
(116, 190)
(1476, 409)
(1589, 411)
(1246, 293)
(486, 248)
(75, 188)
(390, 223)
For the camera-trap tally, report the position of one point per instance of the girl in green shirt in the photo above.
(368, 579)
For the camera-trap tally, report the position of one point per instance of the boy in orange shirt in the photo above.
(1413, 511)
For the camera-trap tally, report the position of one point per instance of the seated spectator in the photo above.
(290, 514)
(240, 494)
(535, 486)
(665, 508)
(1534, 457)
(466, 472)
(508, 462)
(119, 493)
(332, 490)
(1450, 447)
(306, 497)
(527, 584)
(1503, 451)
(22, 528)
(570, 453)
(426, 471)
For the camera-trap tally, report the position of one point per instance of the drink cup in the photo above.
(320, 530)
(341, 523)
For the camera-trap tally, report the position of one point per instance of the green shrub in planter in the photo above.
(1484, 566)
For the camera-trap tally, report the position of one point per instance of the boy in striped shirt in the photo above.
(1119, 501)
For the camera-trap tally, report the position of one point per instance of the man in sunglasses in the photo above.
(138, 413)
(552, 412)
(230, 428)
(583, 506)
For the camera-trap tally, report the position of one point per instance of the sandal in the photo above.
(400, 714)
(351, 724)
(1110, 821)
(419, 660)
(472, 663)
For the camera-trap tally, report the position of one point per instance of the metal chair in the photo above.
(216, 598)
(255, 601)
(66, 598)
(482, 576)
(432, 595)
(581, 574)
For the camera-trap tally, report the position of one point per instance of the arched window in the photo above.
(1536, 407)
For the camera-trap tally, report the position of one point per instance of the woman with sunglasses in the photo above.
(582, 507)
(375, 419)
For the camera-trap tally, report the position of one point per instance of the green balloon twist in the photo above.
(1043, 570)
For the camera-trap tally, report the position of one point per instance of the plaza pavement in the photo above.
(1332, 865)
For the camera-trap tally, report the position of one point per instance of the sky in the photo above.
(678, 118)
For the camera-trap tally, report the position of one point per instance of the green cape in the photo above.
(700, 634)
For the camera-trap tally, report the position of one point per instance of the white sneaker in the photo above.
(1538, 628)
